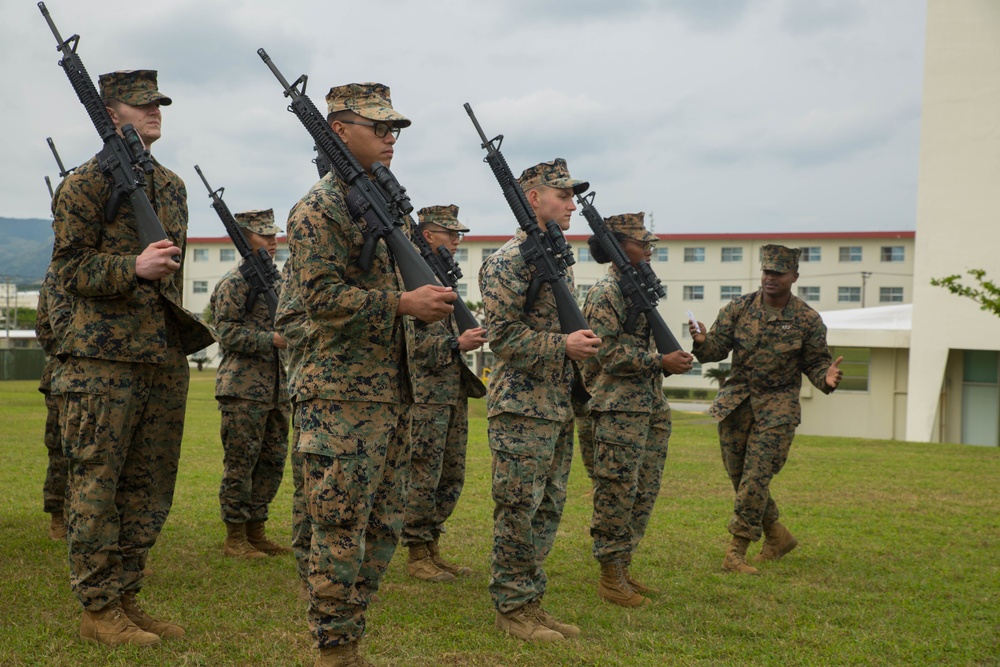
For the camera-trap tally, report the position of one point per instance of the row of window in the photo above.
(229, 255)
(730, 292)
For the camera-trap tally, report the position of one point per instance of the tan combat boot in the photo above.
(457, 570)
(57, 526)
(422, 566)
(342, 655)
(162, 629)
(735, 560)
(551, 622)
(637, 586)
(614, 588)
(777, 542)
(111, 627)
(258, 540)
(236, 544)
(524, 623)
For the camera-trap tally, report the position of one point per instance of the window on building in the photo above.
(856, 367)
(583, 255)
(227, 254)
(463, 291)
(695, 369)
(849, 294)
(732, 255)
(811, 253)
(809, 293)
(694, 293)
(694, 254)
(200, 286)
(281, 255)
(850, 253)
(461, 255)
(890, 294)
(661, 254)
(487, 252)
(201, 254)
(893, 253)
(730, 292)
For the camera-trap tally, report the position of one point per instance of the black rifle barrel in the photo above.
(119, 159)
(257, 268)
(545, 251)
(640, 288)
(63, 171)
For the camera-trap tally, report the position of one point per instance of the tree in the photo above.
(987, 295)
(717, 374)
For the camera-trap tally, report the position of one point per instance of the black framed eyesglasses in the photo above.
(645, 245)
(381, 129)
(453, 235)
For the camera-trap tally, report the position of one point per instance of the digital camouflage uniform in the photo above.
(293, 325)
(530, 418)
(125, 374)
(50, 325)
(629, 416)
(758, 406)
(252, 392)
(439, 423)
(352, 395)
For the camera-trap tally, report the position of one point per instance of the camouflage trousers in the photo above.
(254, 445)
(301, 526)
(438, 437)
(355, 457)
(531, 463)
(54, 488)
(585, 438)
(121, 425)
(630, 450)
(752, 457)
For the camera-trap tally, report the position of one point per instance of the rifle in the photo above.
(322, 164)
(123, 159)
(48, 182)
(379, 205)
(257, 268)
(63, 171)
(545, 251)
(638, 284)
(447, 271)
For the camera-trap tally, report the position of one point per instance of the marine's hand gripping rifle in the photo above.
(379, 212)
(123, 159)
(639, 285)
(545, 251)
(257, 268)
(448, 272)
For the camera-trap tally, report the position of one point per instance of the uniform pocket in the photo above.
(334, 488)
(84, 418)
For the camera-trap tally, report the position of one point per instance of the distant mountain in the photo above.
(25, 249)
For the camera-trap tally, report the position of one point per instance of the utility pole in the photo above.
(864, 282)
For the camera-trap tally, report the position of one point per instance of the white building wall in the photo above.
(958, 201)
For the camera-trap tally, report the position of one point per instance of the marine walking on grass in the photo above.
(252, 392)
(775, 338)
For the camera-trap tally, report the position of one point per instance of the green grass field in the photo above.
(897, 565)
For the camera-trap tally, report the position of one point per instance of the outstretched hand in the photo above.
(833, 374)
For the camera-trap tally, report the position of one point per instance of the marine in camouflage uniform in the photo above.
(629, 417)
(352, 391)
(439, 423)
(530, 416)
(125, 375)
(253, 396)
(50, 325)
(775, 337)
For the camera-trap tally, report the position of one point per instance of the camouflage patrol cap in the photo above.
(134, 87)
(369, 100)
(442, 216)
(258, 221)
(630, 224)
(779, 258)
(554, 174)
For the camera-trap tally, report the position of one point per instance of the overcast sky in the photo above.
(715, 115)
